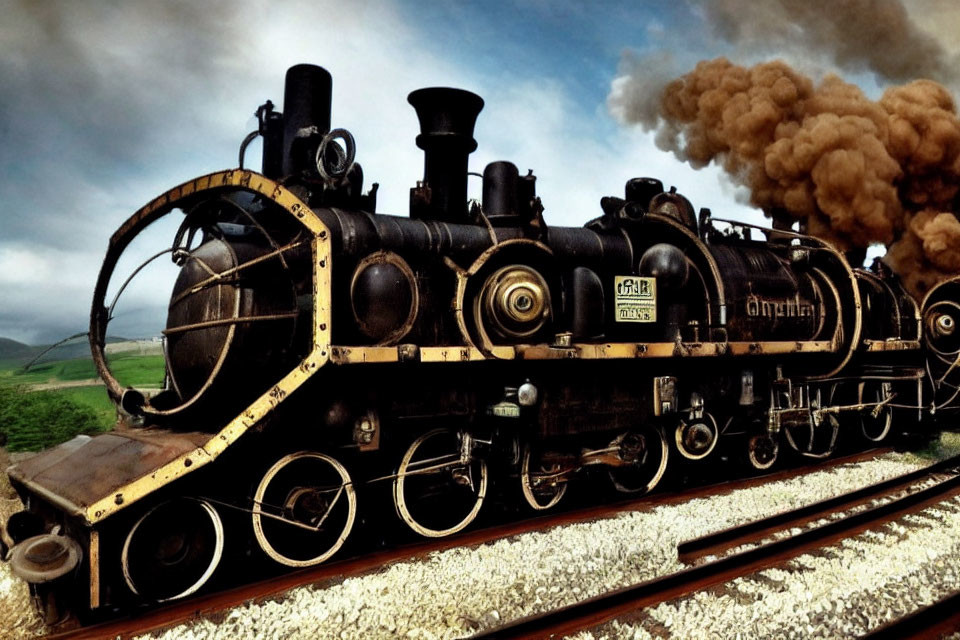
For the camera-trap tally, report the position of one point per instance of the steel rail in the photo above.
(714, 543)
(592, 612)
(179, 612)
(933, 621)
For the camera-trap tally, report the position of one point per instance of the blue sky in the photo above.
(107, 103)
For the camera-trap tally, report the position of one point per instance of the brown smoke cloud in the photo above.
(878, 36)
(854, 170)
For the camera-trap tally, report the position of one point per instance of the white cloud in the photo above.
(20, 266)
(166, 94)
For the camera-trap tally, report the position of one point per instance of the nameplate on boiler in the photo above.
(635, 299)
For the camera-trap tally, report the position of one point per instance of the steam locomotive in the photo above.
(318, 350)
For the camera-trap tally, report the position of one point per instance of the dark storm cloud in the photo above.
(95, 91)
(100, 109)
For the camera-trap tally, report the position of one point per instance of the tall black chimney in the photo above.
(447, 117)
(306, 104)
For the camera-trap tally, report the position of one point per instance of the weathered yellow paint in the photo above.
(361, 355)
(581, 351)
(464, 354)
(629, 350)
(456, 353)
(319, 354)
(93, 557)
(891, 345)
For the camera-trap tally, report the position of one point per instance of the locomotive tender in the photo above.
(317, 351)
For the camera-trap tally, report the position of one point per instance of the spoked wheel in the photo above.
(762, 451)
(543, 488)
(697, 439)
(875, 422)
(303, 509)
(440, 485)
(646, 452)
(173, 549)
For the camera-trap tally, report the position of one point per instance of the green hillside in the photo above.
(32, 419)
(13, 350)
(129, 369)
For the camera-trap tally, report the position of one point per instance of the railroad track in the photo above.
(593, 612)
(940, 618)
(176, 613)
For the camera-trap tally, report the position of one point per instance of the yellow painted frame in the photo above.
(318, 356)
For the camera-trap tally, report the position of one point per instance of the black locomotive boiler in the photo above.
(318, 350)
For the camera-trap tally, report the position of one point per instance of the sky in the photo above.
(105, 104)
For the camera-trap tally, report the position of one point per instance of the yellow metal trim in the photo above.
(360, 355)
(857, 319)
(625, 350)
(775, 348)
(891, 345)
(582, 351)
(464, 354)
(463, 278)
(926, 296)
(456, 353)
(93, 556)
(318, 356)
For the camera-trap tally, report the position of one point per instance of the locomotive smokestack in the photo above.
(447, 117)
(306, 109)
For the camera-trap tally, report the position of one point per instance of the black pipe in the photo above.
(447, 117)
(500, 191)
(642, 190)
(306, 111)
(358, 234)
(271, 129)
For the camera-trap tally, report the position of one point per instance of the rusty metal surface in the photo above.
(82, 473)
(260, 406)
(766, 298)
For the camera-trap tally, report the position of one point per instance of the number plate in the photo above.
(635, 299)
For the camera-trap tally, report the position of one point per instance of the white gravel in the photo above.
(842, 591)
(18, 617)
(453, 593)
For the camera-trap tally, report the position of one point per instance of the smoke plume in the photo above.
(876, 36)
(854, 171)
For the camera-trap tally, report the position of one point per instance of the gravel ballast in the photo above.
(454, 593)
(842, 591)
(18, 617)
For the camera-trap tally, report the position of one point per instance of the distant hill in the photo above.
(13, 350)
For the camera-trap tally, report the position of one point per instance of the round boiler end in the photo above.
(667, 264)
(385, 297)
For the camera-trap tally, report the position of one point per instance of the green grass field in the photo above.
(129, 369)
(94, 398)
(34, 420)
